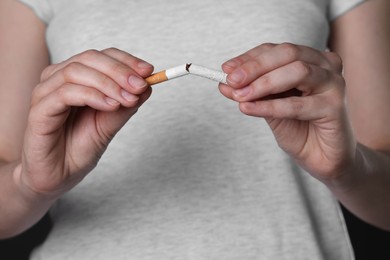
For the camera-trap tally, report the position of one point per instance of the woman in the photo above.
(190, 175)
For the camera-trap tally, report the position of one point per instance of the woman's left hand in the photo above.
(300, 93)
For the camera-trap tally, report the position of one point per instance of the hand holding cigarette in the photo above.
(186, 69)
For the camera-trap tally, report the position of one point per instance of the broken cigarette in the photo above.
(186, 69)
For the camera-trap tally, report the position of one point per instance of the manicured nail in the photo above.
(237, 76)
(128, 96)
(137, 82)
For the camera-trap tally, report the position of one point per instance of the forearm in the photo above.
(19, 209)
(365, 188)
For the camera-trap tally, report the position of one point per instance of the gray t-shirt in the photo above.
(189, 176)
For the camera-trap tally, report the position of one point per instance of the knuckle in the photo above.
(256, 51)
(302, 68)
(47, 72)
(335, 60)
(334, 57)
(89, 54)
(110, 50)
(267, 46)
(70, 70)
(252, 66)
(290, 51)
(66, 94)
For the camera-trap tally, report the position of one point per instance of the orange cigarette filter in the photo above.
(157, 78)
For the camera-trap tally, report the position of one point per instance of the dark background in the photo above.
(369, 243)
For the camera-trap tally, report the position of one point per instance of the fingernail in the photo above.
(144, 65)
(111, 101)
(137, 82)
(242, 92)
(231, 64)
(237, 76)
(128, 96)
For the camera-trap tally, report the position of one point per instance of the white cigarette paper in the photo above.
(168, 74)
(204, 72)
(176, 72)
(186, 69)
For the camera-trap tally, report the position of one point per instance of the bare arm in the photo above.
(43, 154)
(362, 39)
(301, 92)
(23, 55)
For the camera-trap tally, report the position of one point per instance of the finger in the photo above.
(274, 58)
(226, 91)
(142, 67)
(300, 108)
(121, 73)
(308, 79)
(335, 60)
(112, 122)
(80, 74)
(53, 106)
(69, 95)
(234, 63)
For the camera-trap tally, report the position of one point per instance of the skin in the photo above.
(335, 126)
(75, 109)
(77, 106)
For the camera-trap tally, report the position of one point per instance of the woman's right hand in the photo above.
(78, 107)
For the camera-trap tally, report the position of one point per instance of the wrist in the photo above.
(27, 194)
(23, 208)
(349, 178)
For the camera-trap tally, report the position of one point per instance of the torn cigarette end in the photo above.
(188, 65)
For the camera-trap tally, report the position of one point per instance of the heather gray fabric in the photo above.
(190, 177)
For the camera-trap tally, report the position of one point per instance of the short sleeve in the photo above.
(339, 7)
(41, 8)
